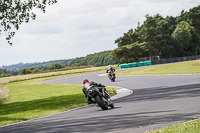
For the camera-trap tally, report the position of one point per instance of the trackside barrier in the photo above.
(146, 63)
(132, 64)
(124, 66)
(135, 64)
(172, 60)
(162, 61)
(139, 64)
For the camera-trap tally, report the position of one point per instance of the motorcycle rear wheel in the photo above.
(101, 102)
(112, 105)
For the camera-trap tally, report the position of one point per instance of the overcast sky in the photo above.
(76, 28)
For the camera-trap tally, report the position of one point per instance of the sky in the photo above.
(76, 28)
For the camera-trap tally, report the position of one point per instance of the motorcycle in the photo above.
(112, 76)
(101, 98)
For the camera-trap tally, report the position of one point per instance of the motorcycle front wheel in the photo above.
(101, 102)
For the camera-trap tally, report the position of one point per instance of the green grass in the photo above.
(188, 127)
(28, 101)
(176, 68)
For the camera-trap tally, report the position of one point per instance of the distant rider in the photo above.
(87, 84)
(110, 70)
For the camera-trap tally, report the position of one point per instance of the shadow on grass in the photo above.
(12, 119)
(64, 102)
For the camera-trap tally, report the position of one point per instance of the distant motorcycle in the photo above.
(101, 99)
(112, 76)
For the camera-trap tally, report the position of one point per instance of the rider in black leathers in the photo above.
(110, 70)
(86, 84)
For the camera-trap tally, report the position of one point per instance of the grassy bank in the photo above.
(176, 68)
(28, 101)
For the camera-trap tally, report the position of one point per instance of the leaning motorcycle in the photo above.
(101, 99)
(112, 76)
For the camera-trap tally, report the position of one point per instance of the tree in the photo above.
(54, 66)
(192, 17)
(14, 12)
(171, 36)
(102, 57)
(31, 68)
(183, 35)
(23, 71)
(4, 73)
(35, 71)
(97, 64)
(128, 38)
(129, 53)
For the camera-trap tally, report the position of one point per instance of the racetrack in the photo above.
(156, 102)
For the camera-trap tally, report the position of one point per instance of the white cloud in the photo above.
(75, 28)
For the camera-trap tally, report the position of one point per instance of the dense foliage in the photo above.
(14, 12)
(4, 73)
(169, 37)
(96, 59)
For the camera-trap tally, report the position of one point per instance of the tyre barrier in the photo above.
(135, 64)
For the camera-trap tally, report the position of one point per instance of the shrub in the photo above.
(23, 71)
(97, 64)
(196, 63)
(54, 66)
(4, 94)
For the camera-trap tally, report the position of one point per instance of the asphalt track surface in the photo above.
(153, 102)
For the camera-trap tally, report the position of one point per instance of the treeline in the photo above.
(96, 59)
(33, 67)
(4, 73)
(167, 37)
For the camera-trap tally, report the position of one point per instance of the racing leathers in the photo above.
(110, 70)
(98, 85)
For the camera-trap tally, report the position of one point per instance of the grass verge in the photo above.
(188, 127)
(175, 68)
(4, 94)
(28, 101)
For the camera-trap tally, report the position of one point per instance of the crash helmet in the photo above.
(85, 81)
(110, 66)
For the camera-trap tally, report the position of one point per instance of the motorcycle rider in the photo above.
(110, 70)
(86, 84)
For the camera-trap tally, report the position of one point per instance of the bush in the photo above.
(4, 94)
(54, 66)
(196, 63)
(23, 71)
(97, 64)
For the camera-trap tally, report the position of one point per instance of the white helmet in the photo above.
(110, 66)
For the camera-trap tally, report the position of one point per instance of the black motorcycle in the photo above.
(112, 76)
(101, 98)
